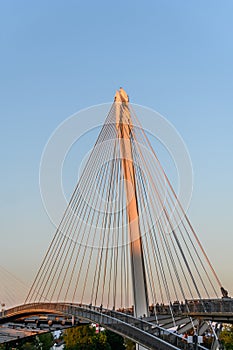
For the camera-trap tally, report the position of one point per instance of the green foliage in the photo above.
(28, 346)
(115, 341)
(46, 341)
(86, 338)
(226, 337)
(78, 336)
(101, 342)
(129, 344)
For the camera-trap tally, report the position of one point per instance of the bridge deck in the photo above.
(145, 333)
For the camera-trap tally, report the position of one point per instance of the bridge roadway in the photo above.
(144, 330)
(216, 310)
(141, 331)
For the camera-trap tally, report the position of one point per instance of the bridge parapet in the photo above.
(145, 333)
(223, 305)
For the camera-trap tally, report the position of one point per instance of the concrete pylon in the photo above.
(125, 127)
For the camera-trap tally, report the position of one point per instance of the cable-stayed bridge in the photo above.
(12, 289)
(125, 254)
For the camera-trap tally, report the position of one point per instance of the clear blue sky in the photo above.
(58, 57)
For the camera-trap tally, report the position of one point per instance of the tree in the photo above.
(46, 340)
(28, 346)
(129, 344)
(101, 342)
(115, 340)
(76, 336)
(85, 338)
(226, 336)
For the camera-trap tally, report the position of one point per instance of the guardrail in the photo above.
(224, 305)
(145, 333)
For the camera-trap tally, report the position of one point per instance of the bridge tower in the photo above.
(124, 127)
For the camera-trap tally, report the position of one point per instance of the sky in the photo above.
(59, 57)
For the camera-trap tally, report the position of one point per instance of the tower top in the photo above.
(121, 96)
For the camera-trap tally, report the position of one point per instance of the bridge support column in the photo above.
(125, 127)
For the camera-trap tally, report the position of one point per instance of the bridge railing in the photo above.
(224, 305)
(141, 331)
(135, 328)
